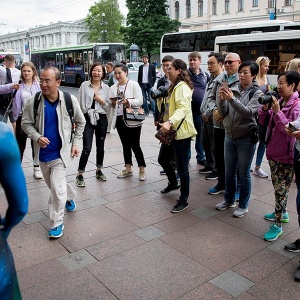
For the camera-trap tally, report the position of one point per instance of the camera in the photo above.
(292, 127)
(161, 92)
(267, 97)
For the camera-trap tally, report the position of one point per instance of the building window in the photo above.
(271, 3)
(200, 8)
(214, 7)
(255, 3)
(188, 8)
(241, 5)
(177, 10)
(287, 2)
(226, 6)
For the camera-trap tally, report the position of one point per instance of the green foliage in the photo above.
(105, 28)
(147, 21)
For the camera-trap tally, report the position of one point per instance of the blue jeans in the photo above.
(297, 173)
(200, 155)
(260, 153)
(238, 156)
(146, 89)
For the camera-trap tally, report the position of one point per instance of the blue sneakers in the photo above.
(271, 217)
(70, 205)
(216, 190)
(56, 232)
(274, 233)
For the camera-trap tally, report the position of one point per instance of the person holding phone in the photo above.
(280, 146)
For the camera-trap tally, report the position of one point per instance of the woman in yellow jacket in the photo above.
(177, 109)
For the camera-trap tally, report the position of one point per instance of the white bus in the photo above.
(180, 44)
(17, 56)
(279, 47)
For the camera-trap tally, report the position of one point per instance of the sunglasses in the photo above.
(265, 58)
(230, 62)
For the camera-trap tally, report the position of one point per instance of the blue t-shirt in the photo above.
(52, 151)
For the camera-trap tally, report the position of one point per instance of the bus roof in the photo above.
(73, 47)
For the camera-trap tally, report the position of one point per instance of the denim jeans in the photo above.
(181, 148)
(198, 123)
(219, 137)
(297, 173)
(146, 89)
(238, 157)
(260, 153)
(100, 132)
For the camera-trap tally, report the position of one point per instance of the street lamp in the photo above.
(28, 44)
(102, 23)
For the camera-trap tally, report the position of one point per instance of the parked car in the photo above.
(134, 65)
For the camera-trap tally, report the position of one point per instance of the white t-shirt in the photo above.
(15, 75)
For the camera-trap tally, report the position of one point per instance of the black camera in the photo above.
(161, 92)
(267, 97)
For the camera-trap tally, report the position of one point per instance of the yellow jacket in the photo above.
(180, 107)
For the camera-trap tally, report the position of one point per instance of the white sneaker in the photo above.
(37, 174)
(260, 173)
(240, 212)
(142, 175)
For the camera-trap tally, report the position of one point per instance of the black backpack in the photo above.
(69, 106)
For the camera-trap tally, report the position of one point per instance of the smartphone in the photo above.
(292, 127)
(116, 98)
(224, 84)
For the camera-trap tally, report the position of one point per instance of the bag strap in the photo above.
(180, 124)
(8, 76)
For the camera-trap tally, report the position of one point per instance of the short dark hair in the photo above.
(123, 67)
(54, 69)
(110, 63)
(167, 58)
(253, 66)
(94, 66)
(291, 77)
(10, 58)
(194, 54)
(219, 57)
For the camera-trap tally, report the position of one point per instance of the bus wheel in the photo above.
(78, 81)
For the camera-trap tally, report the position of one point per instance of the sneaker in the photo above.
(56, 232)
(201, 162)
(293, 247)
(100, 176)
(180, 206)
(297, 275)
(80, 181)
(142, 175)
(212, 176)
(170, 188)
(274, 232)
(162, 172)
(70, 205)
(124, 174)
(37, 174)
(240, 212)
(216, 190)
(205, 170)
(271, 217)
(224, 205)
(260, 173)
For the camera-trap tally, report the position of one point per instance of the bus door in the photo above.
(60, 65)
(248, 52)
(87, 62)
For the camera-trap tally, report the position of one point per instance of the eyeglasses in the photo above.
(230, 62)
(46, 81)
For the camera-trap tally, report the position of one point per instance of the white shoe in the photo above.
(37, 174)
(142, 175)
(240, 212)
(260, 173)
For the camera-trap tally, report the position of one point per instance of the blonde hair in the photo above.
(32, 67)
(260, 61)
(293, 65)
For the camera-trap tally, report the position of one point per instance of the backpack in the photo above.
(69, 106)
(6, 99)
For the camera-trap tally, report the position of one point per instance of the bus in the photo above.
(180, 44)
(74, 62)
(279, 47)
(17, 56)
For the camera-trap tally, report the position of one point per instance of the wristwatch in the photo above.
(170, 122)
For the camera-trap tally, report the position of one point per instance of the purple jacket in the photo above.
(19, 102)
(281, 146)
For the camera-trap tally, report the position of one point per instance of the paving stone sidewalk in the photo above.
(123, 242)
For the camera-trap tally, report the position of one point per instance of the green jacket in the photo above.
(179, 108)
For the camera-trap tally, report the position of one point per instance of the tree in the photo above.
(104, 21)
(147, 21)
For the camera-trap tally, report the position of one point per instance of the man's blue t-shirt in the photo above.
(52, 151)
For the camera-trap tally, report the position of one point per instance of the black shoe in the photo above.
(297, 274)
(206, 170)
(201, 162)
(180, 206)
(293, 247)
(212, 176)
(170, 188)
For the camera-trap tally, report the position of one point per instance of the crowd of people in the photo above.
(230, 112)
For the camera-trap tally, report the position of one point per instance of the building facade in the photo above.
(205, 14)
(54, 35)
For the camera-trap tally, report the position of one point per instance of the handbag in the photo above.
(134, 115)
(167, 137)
